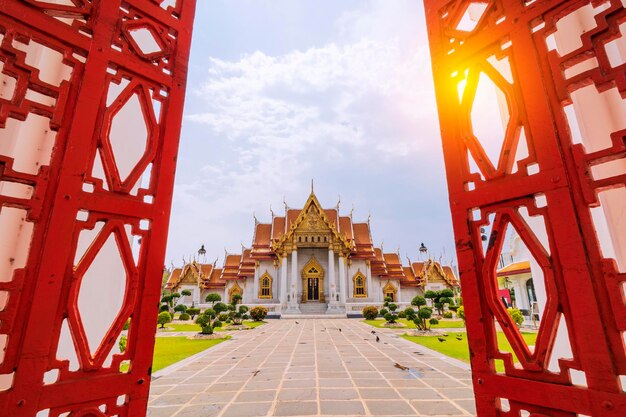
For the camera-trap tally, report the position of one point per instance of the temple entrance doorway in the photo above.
(313, 290)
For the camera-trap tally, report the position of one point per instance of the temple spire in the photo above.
(312, 187)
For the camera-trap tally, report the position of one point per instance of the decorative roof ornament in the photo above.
(271, 211)
(338, 201)
(312, 188)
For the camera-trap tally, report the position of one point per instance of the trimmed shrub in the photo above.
(217, 323)
(126, 325)
(258, 313)
(453, 308)
(433, 321)
(388, 299)
(222, 317)
(447, 315)
(181, 308)
(516, 315)
(401, 315)
(370, 312)
(164, 307)
(193, 312)
(418, 301)
(383, 311)
(391, 318)
(123, 343)
(392, 307)
(184, 317)
(164, 318)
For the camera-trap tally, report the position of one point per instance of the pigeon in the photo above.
(397, 365)
(256, 372)
(377, 339)
(441, 339)
(373, 332)
(445, 334)
(297, 323)
(339, 329)
(459, 338)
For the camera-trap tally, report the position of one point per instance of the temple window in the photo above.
(265, 287)
(359, 285)
(390, 291)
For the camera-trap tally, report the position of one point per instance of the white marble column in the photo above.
(332, 284)
(255, 286)
(342, 280)
(293, 285)
(283, 281)
(368, 280)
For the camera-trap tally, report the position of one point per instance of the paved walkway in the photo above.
(310, 368)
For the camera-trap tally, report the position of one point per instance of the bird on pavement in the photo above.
(339, 329)
(441, 339)
(445, 334)
(459, 338)
(373, 332)
(404, 368)
(297, 323)
(377, 339)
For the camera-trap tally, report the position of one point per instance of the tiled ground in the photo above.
(310, 368)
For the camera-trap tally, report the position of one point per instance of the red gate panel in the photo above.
(95, 88)
(509, 45)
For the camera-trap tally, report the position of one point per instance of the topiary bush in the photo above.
(223, 317)
(460, 313)
(164, 318)
(447, 315)
(164, 307)
(193, 312)
(123, 343)
(181, 308)
(433, 321)
(370, 312)
(184, 317)
(516, 315)
(401, 315)
(258, 313)
(391, 318)
(383, 311)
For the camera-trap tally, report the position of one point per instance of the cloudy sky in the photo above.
(281, 92)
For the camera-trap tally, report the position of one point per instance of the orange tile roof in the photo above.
(379, 268)
(515, 269)
(231, 266)
(246, 266)
(364, 249)
(449, 273)
(394, 266)
(172, 280)
(278, 227)
(214, 280)
(292, 215)
(345, 227)
(333, 216)
(261, 244)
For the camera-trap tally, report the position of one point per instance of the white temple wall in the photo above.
(408, 293)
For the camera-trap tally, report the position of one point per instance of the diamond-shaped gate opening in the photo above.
(490, 117)
(145, 41)
(472, 16)
(129, 134)
(521, 289)
(102, 290)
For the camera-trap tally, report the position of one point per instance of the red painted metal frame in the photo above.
(582, 287)
(95, 40)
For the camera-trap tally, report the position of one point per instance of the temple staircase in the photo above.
(313, 308)
(313, 311)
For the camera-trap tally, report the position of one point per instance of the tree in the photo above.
(237, 312)
(389, 311)
(193, 312)
(439, 299)
(213, 298)
(208, 320)
(418, 301)
(163, 318)
(185, 293)
(516, 315)
(422, 317)
(181, 308)
(460, 313)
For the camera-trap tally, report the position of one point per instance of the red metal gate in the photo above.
(510, 45)
(98, 73)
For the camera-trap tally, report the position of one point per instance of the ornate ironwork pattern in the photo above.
(541, 175)
(102, 195)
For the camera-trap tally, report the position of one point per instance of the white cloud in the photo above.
(363, 103)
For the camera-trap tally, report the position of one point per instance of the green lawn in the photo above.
(458, 349)
(443, 324)
(169, 350)
(193, 327)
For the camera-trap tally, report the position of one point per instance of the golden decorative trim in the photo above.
(263, 277)
(312, 269)
(357, 276)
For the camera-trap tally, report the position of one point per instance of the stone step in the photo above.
(313, 308)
